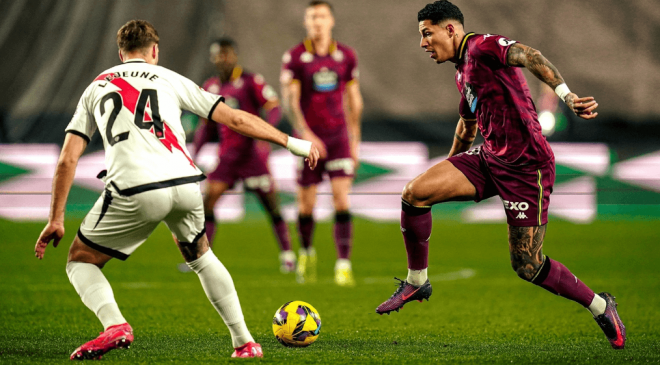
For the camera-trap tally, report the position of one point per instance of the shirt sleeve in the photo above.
(494, 48)
(291, 69)
(193, 98)
(83, 123)
(261, 91)
(464, 110)
(352, 72)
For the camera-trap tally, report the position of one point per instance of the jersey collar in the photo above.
(463, 47)
(135, 60)
(309, 46)
(236, 73)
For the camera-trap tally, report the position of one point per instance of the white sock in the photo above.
(342, 264)
(95, 291)
(597, 306)
(219, 288)
(417, 277)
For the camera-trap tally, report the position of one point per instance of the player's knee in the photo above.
(411, 194)
(525, 269)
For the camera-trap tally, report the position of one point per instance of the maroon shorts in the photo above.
(525, 192)
(338, 163)
(251, 167)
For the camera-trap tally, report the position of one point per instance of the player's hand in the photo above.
(313, 157)
(316, 141)
(52, 232)
(582, 107)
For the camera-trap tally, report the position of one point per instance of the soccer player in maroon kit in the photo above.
(320, 77)
(515, 161)
(242, 158)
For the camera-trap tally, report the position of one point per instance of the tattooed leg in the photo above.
(527, 259)
(526, 249)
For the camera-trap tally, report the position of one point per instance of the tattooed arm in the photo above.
(466, 131)
(526, 249)
(520, 55)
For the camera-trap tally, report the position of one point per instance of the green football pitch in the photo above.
(480, 312)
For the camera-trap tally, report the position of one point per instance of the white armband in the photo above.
(561, 91)
(299, 147)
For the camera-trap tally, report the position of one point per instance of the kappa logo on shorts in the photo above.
(521, 215)
(522, 206)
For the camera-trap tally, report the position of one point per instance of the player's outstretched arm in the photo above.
(520, 55)
(254, 127)
(466, 132)
(73, 148)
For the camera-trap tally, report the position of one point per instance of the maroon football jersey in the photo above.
(244, 91)
(322, 83)
(497, 96)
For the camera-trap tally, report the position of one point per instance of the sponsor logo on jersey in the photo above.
(232, 102)
(520, 206)
(238, 83)
(474, 152)
(487, 35)
(306, 57)
(458, 76)
(338, 55)
(521, 215)
(325, 80)
(505, 42)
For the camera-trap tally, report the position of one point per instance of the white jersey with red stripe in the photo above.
(137, 108)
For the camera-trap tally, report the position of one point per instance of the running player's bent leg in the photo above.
(84, 271)
(214, 191)
(218, 286)
(528, 261)
(442, 182)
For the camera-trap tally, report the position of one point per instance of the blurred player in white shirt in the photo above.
(150, 178)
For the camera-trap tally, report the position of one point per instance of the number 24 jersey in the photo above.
(137, 108)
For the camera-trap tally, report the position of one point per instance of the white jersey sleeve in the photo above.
(83, 123)
(195, 99)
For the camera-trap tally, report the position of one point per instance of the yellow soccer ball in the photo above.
(296, 324)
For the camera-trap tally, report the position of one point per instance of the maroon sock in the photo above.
(557, 279)
(305, 230)
(209, 225)
(343, 233)
(282, 233)
(416, 224)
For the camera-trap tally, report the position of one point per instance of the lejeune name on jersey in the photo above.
(137, 108)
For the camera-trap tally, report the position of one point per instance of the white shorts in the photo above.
(117, 225)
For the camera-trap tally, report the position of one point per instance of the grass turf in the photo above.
(485, 315)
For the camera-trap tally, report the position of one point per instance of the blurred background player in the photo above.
(319, 79)
(515, 162)
(241, 157)
(150, 178)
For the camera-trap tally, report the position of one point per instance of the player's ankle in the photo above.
(417, 277)
(597, 306)
(342, 264)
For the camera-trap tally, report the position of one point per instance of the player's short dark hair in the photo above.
(226, 42)
(136, 35)
(440, 11)
(321, 2)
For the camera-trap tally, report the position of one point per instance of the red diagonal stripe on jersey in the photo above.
(169, 140)
(129, 94)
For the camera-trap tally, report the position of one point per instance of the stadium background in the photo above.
(606, 204)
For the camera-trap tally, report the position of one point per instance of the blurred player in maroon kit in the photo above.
(240, 157)
(515, 161)
(319, 78)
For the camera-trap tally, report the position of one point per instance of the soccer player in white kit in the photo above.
(136, 106)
